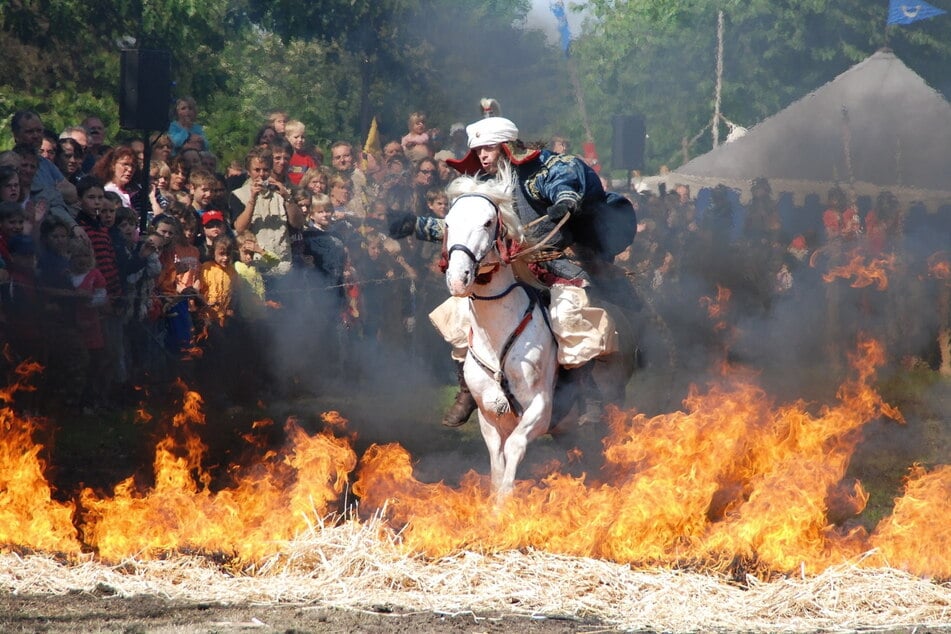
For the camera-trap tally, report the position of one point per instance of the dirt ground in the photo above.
(152, 615)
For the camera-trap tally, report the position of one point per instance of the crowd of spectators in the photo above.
(795, 282)
(220, 274)
(212, 275)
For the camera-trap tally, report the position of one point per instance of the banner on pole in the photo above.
(908, 11)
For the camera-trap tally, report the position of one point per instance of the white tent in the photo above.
(876, 126)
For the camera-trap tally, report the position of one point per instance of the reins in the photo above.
(506, 252)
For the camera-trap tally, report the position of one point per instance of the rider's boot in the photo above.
(590, 405)
(464, 404)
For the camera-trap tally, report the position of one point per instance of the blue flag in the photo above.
(908, 11)
(558, 8)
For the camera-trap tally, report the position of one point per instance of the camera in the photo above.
(268, 186)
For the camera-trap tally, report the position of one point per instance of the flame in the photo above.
(731, 480)
(917, 536)
(939, 265)
(270, 502)
(29, 516)
(875, 271)
(732, 477)
(717, 308)
(718, 312)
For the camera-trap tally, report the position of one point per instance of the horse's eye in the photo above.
(487, 224)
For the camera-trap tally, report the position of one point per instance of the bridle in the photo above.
(498, 240)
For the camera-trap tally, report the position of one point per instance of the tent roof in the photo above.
(897, 127)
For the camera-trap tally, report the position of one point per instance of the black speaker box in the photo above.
(627, 150)
(145, 85)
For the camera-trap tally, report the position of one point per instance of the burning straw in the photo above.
(356, 566)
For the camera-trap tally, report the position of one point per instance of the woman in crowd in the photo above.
(117, 169)
(69, 159)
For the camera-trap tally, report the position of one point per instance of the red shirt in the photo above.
(299, 164)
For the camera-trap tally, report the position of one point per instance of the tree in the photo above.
(414, 54)
(62, 58)
(659, 59)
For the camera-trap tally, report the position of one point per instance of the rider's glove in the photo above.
(401, 225)
(561, 208)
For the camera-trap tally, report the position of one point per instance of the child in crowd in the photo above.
(277, 119)
(185, 125)
(125, 235)
(220, 365)
(300, 161)
(213, 225)
(385, 306)
(91, 283)
(67, 358)
(302, 199)
(179, 170)
(12, 218)
(250, 292)
(316, 180)
(190, 229)
(92, 202)
(144, 269)
(179, 282)
(159, 174)
(217, 282)
(417, 141)
(201, 184)
(323, 253)
(437, 202)
(21, 303)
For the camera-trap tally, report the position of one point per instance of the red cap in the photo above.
(210, 216)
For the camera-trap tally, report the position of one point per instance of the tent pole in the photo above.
(715, 127)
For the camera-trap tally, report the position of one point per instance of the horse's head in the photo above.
(479, 218)
(472, 231)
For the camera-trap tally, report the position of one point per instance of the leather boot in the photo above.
(464, 404)
(590, 405)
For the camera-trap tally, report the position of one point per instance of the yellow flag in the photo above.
(372, 146)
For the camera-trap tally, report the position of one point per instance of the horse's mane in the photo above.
(499, 191)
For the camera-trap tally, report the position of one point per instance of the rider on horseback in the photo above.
(547, 188)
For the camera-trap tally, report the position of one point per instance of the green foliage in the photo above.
(60, 109)
(659, 58)
(337, 64)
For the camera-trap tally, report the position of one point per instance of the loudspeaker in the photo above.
(145, 85)
(627, 149)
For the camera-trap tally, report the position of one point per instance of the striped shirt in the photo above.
(104, 251)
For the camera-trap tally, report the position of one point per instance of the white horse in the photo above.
(512, 363)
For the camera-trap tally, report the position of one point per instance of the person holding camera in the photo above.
(260, 206)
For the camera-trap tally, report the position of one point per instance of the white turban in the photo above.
(491, 131)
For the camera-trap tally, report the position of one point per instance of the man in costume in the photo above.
(547, 187)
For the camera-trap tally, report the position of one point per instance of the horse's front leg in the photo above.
(493, 442)
(535, 421)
